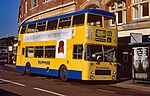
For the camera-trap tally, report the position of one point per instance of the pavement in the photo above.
(122, 83)
(136, 85)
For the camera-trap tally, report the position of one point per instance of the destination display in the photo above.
(103, 36)
(100, 33)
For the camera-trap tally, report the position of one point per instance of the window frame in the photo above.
(33, 4)
(116, 9)
(37, 48)
(50, 49)
(27, 51)
(78, 53)
(26, 6)
(140, 11)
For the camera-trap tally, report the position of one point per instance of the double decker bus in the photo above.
(79, 45)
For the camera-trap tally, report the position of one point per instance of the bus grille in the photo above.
(102, 72)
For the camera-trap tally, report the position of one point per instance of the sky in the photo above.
(9, 17)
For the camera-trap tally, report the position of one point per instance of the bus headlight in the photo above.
(113, 72)
(92, 77)
(92, 71)
(113, 77)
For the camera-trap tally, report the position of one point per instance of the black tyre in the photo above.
(28, 69)
(63, 73)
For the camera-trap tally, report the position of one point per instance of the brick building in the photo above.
(132, 16)
(36, 9)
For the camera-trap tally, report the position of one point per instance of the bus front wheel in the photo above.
(28, 69)
(63, 73)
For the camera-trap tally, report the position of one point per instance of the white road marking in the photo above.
(58, 94)
(106, 91)
(12, 82)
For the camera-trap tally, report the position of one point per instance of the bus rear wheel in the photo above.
(63, 73)
(28, 69)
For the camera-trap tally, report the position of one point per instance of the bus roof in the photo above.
(94, 11)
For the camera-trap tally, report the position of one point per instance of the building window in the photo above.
(44, 1)
(140, 9)
(26, 6)
(135, 11)
(77, 51)
(119, 9)
(34, 3)
(145, 9)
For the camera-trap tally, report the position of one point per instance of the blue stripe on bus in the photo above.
(95, 11)
(71, 73)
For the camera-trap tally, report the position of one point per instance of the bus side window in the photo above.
(22, 51)
(31, 28)
(52, 24)
(94, 20)
(77, 51)
(41, 26)
(30, 51)
(39, 50)
(78, 20)
(64, 22)
(109, 22)
(23, 30)
(50, 51)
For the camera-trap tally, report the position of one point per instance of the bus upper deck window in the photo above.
(41, 26)
(65, 22)
(78, 20)
(109, 22)
(23, 29)
(94, 20)
(52, 24)
(31, 28)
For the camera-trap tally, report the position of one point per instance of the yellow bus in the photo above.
(79, 45)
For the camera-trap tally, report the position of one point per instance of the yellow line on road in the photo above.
(106, 91)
